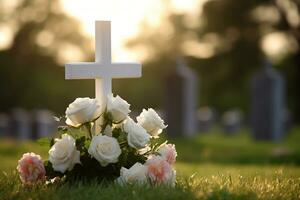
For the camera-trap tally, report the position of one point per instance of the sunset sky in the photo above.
(126, 17)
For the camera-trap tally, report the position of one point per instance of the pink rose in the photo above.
(160, 171)
(31, 168)
(168, 152)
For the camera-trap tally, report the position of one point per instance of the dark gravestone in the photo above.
(232, 121)
(4, 124)
(206, 119)
(43, 124)
(20, 126)
(267, 109)
(181, 101)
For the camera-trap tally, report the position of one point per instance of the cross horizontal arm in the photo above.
(85, 70)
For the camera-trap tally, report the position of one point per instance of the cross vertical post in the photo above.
(103, 85)
(103, 70)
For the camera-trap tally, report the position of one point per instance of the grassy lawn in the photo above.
(212, 166)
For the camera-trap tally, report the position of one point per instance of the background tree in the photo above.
(226, 46)
(31, 72)
(225, 43)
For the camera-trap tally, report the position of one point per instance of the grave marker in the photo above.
(267, 108)
(44, 124)
(232, 121)
(20, 124)
(4, 124)
(181, 102)
(206, 118)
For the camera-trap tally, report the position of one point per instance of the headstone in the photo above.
(267, 108)
(232, 121)
(20, 126)
(43, 124)
(181, 101)
(206, 119)
(4, 124)
(288, 120)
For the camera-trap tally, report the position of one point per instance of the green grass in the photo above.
(241, 149)
(214, 187)
(211, 166)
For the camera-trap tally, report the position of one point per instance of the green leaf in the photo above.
(63, 129)
(50, 173)
(116, 132)
(87, 144)
(80, 143)
(51, 142)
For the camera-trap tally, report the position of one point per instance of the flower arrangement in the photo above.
(115, 148)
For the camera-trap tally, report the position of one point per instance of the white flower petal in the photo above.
(63, 154)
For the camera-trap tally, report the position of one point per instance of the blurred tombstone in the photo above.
(4, 124)
(232, 121)
(288, 120)
(206, 118)
(43, 124)
(20, 126)
(267, 109)
(181, 101)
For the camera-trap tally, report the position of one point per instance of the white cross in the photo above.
(102, 70)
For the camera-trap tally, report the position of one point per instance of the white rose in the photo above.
(118, 108)
(137, 136)
(105, 149)
(151, 121)
(63, 154)
(135, 174)
(82, 110)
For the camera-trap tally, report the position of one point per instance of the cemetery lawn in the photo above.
(211, 166)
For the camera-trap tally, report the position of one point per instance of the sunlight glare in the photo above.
(6, 37)
(126, 17)
(277, 45)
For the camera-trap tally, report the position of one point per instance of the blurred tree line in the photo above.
(31, 72)
(222, 43)
(224, 46)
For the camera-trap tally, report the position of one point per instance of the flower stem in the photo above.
(88, 126)
(106, 122)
